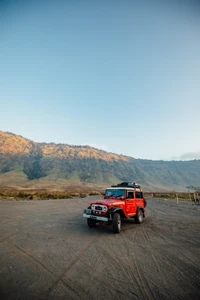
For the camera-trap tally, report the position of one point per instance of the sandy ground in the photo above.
(48, 252)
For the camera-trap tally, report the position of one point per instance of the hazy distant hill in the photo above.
(25, 163)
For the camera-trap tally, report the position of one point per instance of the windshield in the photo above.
(114, 193)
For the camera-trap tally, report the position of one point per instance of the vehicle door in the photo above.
(130, 203)
(139, 198)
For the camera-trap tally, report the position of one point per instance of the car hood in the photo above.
(108, 202)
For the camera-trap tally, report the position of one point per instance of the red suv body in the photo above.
(121, 201)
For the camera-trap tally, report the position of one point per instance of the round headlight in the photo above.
(104, 208)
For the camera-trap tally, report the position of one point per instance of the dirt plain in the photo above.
(48, 252)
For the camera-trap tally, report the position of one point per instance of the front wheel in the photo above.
(139, 217)
(116, 222)
(91, 223)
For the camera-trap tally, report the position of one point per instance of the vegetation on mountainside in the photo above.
(45, 194)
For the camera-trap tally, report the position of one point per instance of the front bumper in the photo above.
(87, 214)
(98, 218)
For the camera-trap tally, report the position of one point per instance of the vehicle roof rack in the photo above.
(127, 184)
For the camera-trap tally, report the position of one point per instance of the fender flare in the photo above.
(116, 210)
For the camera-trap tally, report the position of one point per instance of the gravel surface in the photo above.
(48, 252)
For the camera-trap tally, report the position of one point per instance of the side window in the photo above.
(130, 195)
(138, 195)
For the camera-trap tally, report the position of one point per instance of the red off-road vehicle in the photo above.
(124, 200)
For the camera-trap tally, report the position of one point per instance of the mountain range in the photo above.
(27, 164)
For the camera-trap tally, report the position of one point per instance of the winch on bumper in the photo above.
(88, 213)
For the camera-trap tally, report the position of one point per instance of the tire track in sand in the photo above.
(73, 262)
(158, 269)
(142, 283)
(118, 266)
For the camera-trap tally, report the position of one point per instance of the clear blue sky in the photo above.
(123, 76)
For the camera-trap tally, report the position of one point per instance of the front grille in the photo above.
(98, 208)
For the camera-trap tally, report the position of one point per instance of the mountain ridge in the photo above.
(26, 163)
(7, 140)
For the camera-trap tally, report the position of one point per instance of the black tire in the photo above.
(91, 223)
(116, 222)
(139, 217)
(145, 202)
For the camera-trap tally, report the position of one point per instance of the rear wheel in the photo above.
(139, 217)
(116, 223)
(91, 223)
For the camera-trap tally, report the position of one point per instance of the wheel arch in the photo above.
(140, 208)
